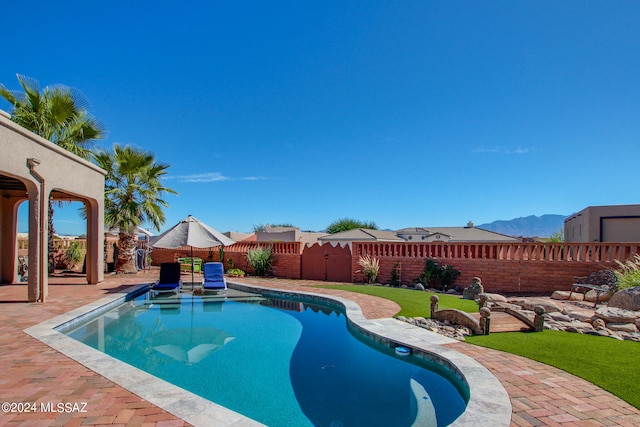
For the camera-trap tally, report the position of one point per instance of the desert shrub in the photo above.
(628, 273)
(260, 259)
(73, 255)
(370, 267)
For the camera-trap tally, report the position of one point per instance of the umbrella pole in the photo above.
(192, 263)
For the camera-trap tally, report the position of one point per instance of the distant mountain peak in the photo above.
(529, 226)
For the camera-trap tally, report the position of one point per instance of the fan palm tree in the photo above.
(133, 196)
(57, 113)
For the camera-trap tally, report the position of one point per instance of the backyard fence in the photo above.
(525, 267)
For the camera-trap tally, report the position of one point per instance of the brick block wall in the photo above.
(499, 276)
(284, 265)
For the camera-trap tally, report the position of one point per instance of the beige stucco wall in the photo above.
(44, 167)
(585, 226)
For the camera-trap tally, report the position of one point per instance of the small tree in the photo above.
(395, 275)
(434, 275)
(260, 259)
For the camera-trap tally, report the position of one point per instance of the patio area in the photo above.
(33, 372)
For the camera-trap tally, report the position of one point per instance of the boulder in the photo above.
(495, 298)
(530, 303)
(418, 287)
(559, 317)
(622, 327)
(564, 296)
(592, 295)
(627, 299)
(583, 316)
(617, 315)
(599, 323)
(473, 290)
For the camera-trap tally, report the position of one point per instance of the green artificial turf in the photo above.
(413, 303)
(606, 362)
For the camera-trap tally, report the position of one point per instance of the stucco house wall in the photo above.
(46, 171)
(614, 223)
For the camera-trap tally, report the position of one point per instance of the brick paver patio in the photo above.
(33, 372)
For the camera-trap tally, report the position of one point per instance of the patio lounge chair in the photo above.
(214, 277)
(169, 280)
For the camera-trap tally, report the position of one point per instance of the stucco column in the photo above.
(8, 231)
(38, 225)
(95, 241)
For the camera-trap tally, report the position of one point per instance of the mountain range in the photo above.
(529, 226)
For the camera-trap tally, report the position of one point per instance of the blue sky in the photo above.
(416, 113)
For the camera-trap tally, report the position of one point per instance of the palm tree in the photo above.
(133, 191)
(57, 113)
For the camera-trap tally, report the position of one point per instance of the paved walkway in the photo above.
(33, 372)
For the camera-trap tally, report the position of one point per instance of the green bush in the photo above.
(260, 259)
(235, 272)
(395, 276)
(437, 276)
(628, 273)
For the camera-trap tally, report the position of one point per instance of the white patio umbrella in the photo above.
(193, 233)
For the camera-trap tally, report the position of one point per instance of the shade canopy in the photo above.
(191, 232)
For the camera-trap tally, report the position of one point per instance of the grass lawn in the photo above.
(606, 362)
(413, 303)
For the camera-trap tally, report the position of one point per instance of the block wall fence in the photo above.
(503, 267)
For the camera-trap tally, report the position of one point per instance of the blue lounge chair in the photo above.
(214, 277)
(169, 280)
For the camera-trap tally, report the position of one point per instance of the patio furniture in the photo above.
(185, 264)
(169, 280)
(214, 277)
(600, 281)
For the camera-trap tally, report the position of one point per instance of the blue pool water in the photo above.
(283, 363)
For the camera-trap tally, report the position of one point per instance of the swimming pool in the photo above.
(281, 362)
(488, 403)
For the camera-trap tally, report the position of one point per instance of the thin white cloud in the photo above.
(212, 177)
(502, 150)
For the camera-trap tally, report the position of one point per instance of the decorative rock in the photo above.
(622, 327)
(418, 287)
(617, 315)
(582, 325)
(473, 290)
(495, 298)
(599, 323)
(564, 296)
(583, 316)
(627, 299)
(529, 303)
(451, 291)
(592, 295)
(559, 316)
